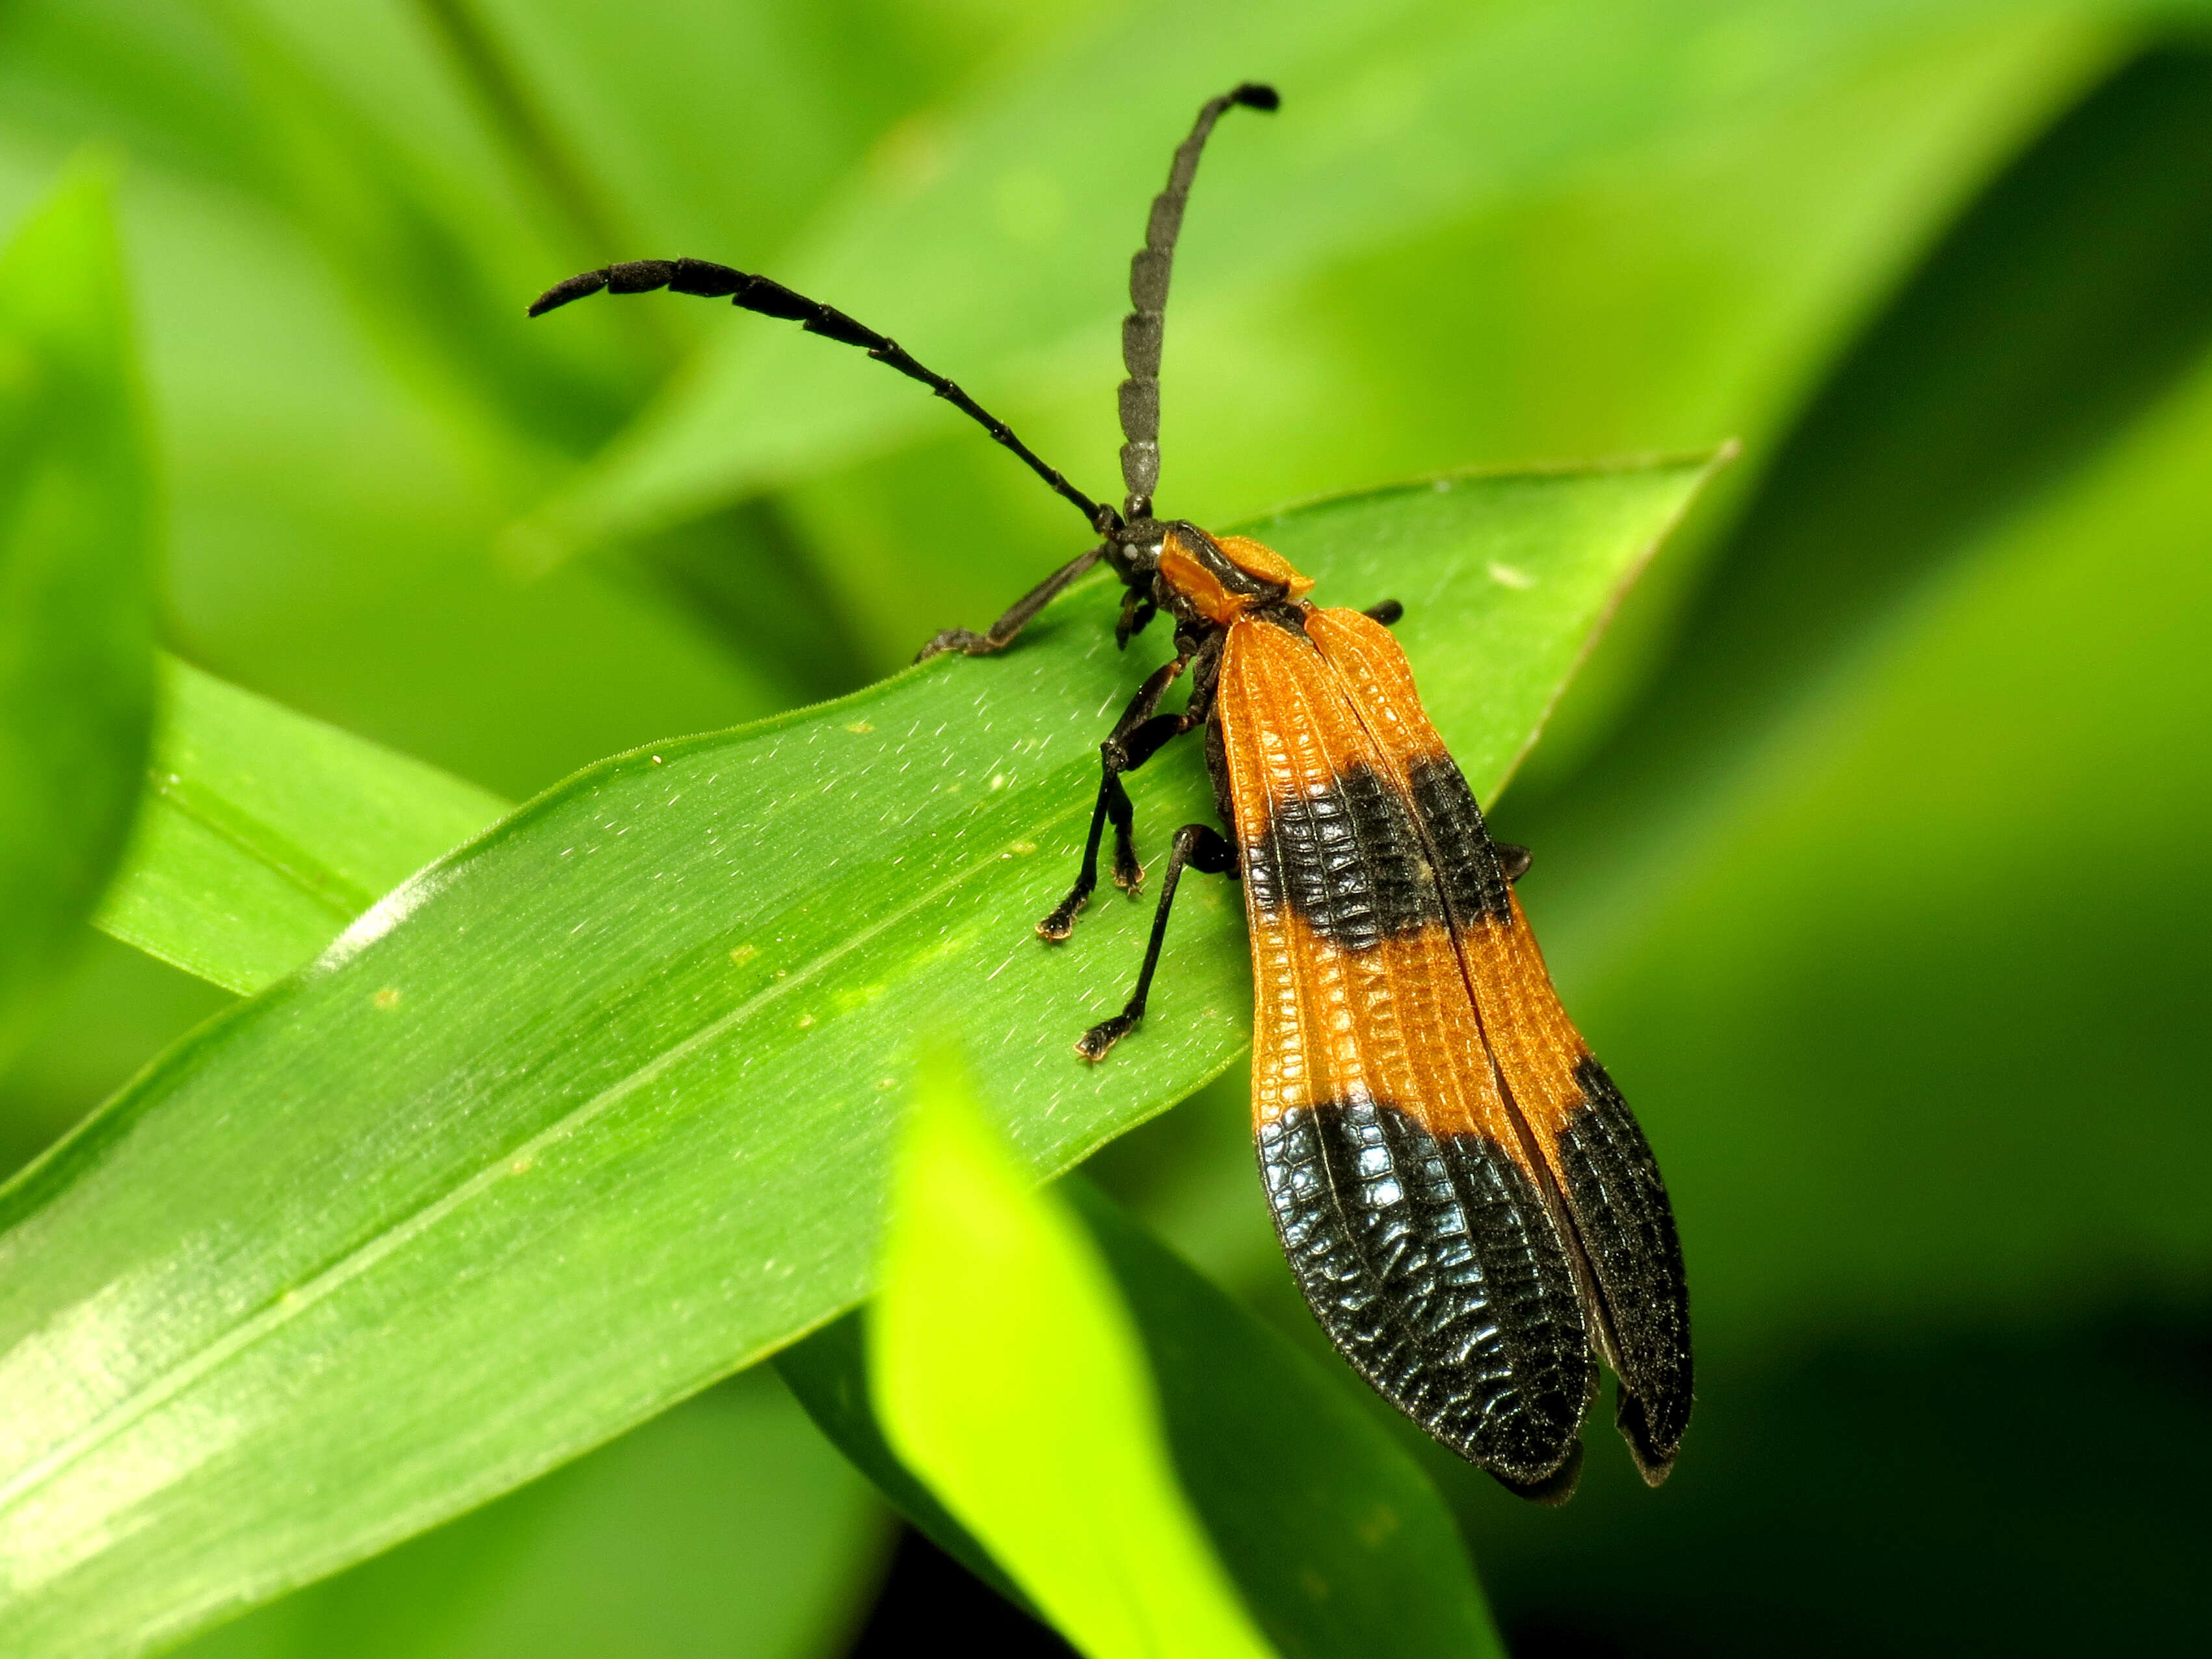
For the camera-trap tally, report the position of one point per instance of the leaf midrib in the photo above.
(275, 851)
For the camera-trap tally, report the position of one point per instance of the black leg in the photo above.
(1137, 613)
(1202, 848)
(1514, 859)
(1387, 613)
(1135, 738)
(1018, 615)
(1147, 741)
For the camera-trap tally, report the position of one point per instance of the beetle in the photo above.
(1467, 1203)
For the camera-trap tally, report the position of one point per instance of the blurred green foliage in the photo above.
(76, 588)
(1868, 848)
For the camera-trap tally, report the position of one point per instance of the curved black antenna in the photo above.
(1148, 294)
(772, 299)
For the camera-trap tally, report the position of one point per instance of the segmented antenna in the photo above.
(771, 299)
(1148, 294)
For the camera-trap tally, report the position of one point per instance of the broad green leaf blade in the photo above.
(1337, 1540)
(726, 1526)
(263, 833)
(595, 1109)
(1007, 1372)
(77, 604)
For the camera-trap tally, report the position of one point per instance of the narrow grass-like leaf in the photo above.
(263, 833)
(1340, 1544)
(1007, 1373)
(77, 609)
(596, 1110)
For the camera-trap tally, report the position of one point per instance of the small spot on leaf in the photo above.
(387, 998)
(1378, 1527)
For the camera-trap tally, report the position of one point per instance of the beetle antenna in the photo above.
(772, 299)
(1148, 297)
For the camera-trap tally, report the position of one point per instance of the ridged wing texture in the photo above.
(1400, 1187)
(1600, 1165)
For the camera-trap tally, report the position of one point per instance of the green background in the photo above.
(1869, 848)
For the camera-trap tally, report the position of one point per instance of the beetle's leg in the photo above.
(1203, 848)
(1018, 615)
(1137, 613)
(1135, 738)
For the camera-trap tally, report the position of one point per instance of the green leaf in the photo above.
(1337, 1540)
(264, 832)
(827, 1371)
(76, 601)
(596, 1110)
(725, 1527)
(1007, 1372)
